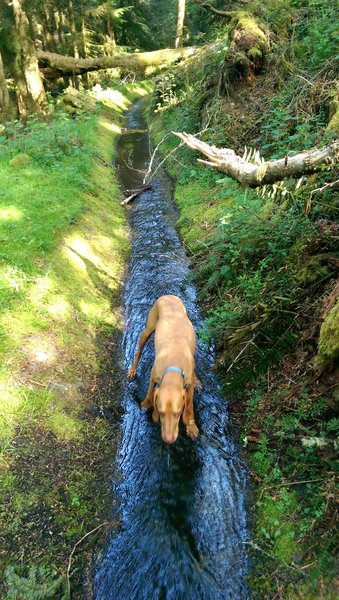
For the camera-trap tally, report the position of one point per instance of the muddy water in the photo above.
(182, 507)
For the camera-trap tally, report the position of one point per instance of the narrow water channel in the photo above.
(182, 507)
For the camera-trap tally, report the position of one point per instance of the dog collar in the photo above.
(176, 370)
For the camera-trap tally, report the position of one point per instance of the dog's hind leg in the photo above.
(150, 327)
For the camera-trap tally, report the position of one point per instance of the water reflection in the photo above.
(182, 507)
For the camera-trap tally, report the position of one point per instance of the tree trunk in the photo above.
(4, 95)
(255, 175)
(26, 70)
(48, 38)
(83, 32)
(140, 62)
(111, 35)
(61, 25)
(72, 28)
(180, 23)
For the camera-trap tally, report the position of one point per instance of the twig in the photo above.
(332, 184)
(256, 547)
(149, 170)
(286, 484)
(304, 79)
(241, 352)
(68, 573)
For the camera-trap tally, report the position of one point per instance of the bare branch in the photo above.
(254, 175)
(221, 13)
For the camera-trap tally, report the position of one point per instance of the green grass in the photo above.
(63, 250)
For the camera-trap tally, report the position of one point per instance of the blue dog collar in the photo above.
(176, 370)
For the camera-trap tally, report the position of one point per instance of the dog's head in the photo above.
(169, 403)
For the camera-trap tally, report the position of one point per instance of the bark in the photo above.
(61, 26)
(255, 175)
(26, 70)
(180, 23)
(72, 27)
(48, 37)
(140, 62)
(4, 95)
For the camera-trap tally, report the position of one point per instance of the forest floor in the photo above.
(64, 246)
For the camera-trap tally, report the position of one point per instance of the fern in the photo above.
(41, 583)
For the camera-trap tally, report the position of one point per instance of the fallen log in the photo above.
(132, 194)
(263, 172)
(54, 65)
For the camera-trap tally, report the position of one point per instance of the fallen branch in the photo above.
(254, 175)
(68, 573)
(132, 194)
(215, 11)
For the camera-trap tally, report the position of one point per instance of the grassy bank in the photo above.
(63, 249)
(266, 267)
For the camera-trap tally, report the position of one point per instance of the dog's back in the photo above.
(174, 330)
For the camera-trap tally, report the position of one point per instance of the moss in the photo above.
(313, 270)
(20, 161)
(333, 124)
(328, 346)
(247, 34)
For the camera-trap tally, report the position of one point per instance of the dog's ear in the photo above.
(155, 414)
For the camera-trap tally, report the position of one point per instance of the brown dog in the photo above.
(171, 387)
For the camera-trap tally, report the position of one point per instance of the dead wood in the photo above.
(132, 194)
(263, 172)
(215, 11)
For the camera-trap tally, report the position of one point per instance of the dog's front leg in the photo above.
(149, 400)
(188, 414)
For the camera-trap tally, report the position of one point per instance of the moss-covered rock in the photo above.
(328, 346)
(313, 269)
(20, 161)
(333, 124)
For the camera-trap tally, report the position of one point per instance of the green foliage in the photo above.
(261, 261)
(40, 583)
(47, 143)
(316, 32)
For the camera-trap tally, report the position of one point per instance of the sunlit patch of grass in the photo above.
(63, 247)
(65, 427)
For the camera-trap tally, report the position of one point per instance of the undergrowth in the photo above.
(266, 266)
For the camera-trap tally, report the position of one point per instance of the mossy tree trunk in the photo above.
(180, 23)
(30, 90)
(4, 95)
(56, 65)
(248, 45)
(248, 49)
(72, 28)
